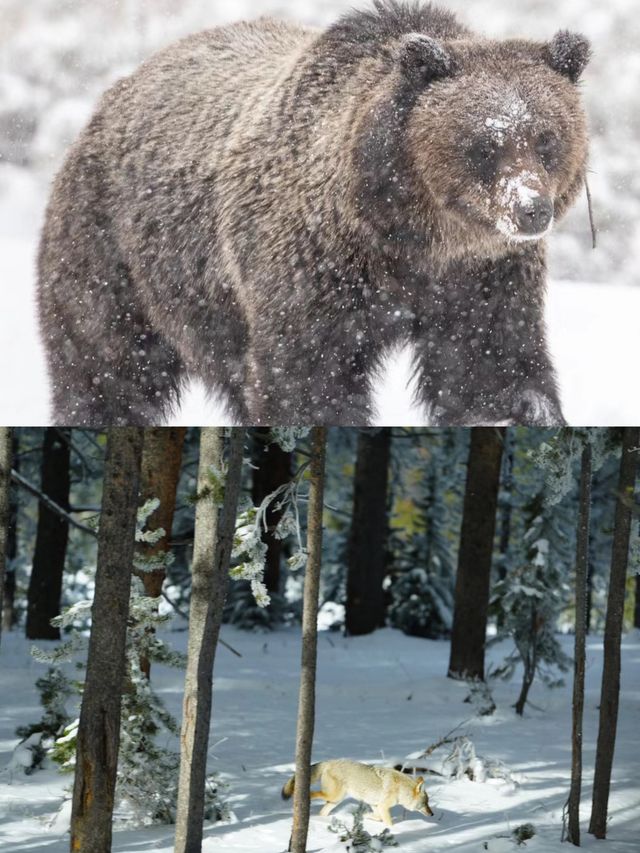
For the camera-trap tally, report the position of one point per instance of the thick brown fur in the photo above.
(270, 208)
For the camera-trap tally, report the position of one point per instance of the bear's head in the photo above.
(497, 136)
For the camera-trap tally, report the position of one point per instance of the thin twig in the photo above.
(51, 505)
(591, 222)
(184, 615)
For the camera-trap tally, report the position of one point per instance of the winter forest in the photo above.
(191, 616)
(58, 56)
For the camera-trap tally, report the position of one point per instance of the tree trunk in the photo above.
(45, 583)
(530, 664)
(505, 510)
(99, 729)
(507, 506)
(476, 549)
(365, 608)
(8, 590)
(5, 512)
(159, 475)
(272, 469)
(582, 562)
(213, 541)
(307, 696)
(610, 692)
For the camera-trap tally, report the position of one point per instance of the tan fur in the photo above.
(378, 787)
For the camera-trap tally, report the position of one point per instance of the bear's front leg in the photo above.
(308, 381)
(481, 347)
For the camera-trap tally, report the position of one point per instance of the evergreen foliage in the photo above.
(147, 779)
(242, 610)
(54, 689)
(356, 839)
(530, 599)
(427, 506)
(422, 604)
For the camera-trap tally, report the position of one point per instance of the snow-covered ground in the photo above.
(380, 698)
(593, 332)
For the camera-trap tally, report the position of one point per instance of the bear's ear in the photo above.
(424, 59)
(568, 54)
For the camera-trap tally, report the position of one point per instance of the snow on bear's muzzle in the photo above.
(527, 210)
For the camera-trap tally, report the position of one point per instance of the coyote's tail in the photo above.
(287, 788)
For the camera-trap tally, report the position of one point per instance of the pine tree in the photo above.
(99, 726)
(5, 487)
(45, 583)
(422, 544)
(530, 599)
(216, 507)
(582, 559)
(475, 555)
(365, 607)
(8, 589)
(306, 704)
(159, 475)
(610, 692)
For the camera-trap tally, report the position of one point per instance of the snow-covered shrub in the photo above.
(505, 843)
(356, 839)
(421, 604)
(147, 782)
(456, 758)
(38, 739)
(480, 697)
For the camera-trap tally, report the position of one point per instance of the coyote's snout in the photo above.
(379, 787)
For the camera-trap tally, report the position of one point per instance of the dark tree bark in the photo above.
(507, 506)
(8, 601)
(505, 509)
(365, 609)
(45, 583)
(5, 501)
(98, 739)
(307, 697)
(213, 541)
(272, 469)
(474, 557)
(582, 561)
(610, 692)
(159, 475)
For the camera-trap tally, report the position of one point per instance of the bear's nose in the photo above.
(534, 216)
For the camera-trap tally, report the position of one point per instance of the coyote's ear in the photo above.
(419, 782)
(424, 59)
(568, 54)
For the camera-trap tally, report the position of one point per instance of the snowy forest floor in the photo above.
(593, 335)
(380, 698)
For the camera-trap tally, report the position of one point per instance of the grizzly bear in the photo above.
(271, 208)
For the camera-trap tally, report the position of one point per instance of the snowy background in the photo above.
(57, 56)
(378, 714)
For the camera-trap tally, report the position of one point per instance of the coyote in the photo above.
(379, 787)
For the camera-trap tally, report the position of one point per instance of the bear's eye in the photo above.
(546, 146)
(483, 154)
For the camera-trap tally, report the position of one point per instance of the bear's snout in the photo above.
(535, 215)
